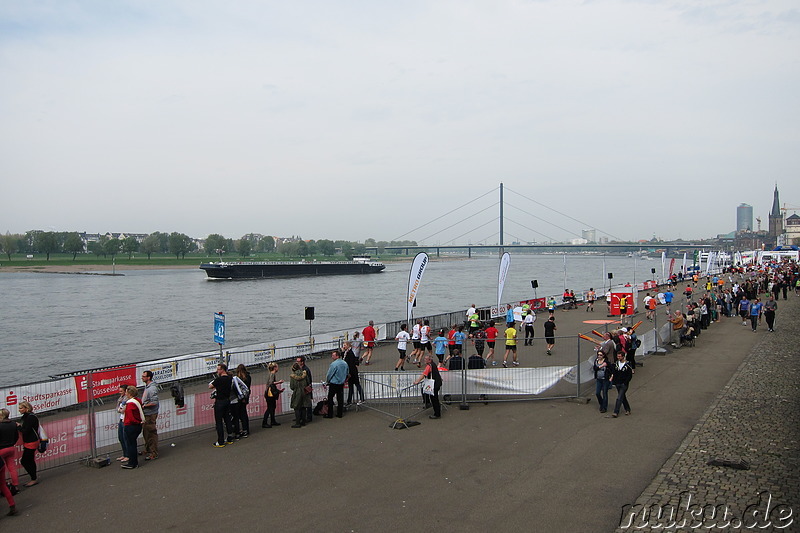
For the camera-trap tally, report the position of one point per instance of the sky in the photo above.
(397, 120)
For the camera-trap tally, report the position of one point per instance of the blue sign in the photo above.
(219, 328)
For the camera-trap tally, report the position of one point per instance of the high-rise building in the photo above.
(589, 234)
(744, 218)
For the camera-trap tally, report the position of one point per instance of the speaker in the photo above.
(535, 283)
(652, 270)
(309, 313)
(610, 275)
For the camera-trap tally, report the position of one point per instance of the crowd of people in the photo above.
(747, 293)
(736, 293)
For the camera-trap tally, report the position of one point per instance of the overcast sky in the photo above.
(357, 119)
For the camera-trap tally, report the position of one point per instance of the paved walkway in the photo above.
(754, 422)
(526, 466)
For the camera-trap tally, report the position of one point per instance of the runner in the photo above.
(491, 337)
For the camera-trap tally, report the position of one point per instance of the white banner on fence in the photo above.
(495, 381)
(45, 396)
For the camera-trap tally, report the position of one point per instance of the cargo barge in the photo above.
(273, 269)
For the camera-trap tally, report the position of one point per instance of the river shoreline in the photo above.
(80, 269)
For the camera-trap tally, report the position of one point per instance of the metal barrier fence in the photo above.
(78, 410)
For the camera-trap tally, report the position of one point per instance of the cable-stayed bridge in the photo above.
(505, 225)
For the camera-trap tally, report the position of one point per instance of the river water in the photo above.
(55, 323)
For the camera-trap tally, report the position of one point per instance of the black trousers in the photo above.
(528, 335)
(338, 390)
(433, 400)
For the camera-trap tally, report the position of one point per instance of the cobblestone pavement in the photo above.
(753, 422)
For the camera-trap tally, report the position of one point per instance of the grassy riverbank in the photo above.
(92, 263)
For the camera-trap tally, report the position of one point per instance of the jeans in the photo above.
(622, 389)
(121, 437)
(222, 414)
(754, 321)
(601, 391)
(241, 420)
(131, 434)
(355, 385)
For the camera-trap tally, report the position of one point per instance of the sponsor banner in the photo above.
(501, 310)
(505, 262)
(650, 284)
(414, 280)
(68, 437)
(105, 382)
(538, 303)
(46, 396)
(615, 298)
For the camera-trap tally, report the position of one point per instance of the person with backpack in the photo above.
(243, 381)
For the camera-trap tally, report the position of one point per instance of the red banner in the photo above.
(615, 299)
(105, 383)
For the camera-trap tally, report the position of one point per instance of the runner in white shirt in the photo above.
(425, 339)
(402, 339)
(415, 332)
(529, 319)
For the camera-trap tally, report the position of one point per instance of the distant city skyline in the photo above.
(351, 121)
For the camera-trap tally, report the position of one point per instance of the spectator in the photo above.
(222, 386)
(476, 362)
(29, 426)
(121, 400)
(9, 434)
(601, 375)
(134, 419)
(432, 372)
(337, 375)
(621, 375)
(150, 407)
(243, 417)
(271, 395)
(353, 380)
(301, 400)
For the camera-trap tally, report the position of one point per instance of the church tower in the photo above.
(775, 218)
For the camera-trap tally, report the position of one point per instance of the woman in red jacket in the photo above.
(132, 422)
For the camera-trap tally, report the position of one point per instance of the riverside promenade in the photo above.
(549, 465)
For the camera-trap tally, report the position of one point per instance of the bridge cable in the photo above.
(565, 215)
(449, 212)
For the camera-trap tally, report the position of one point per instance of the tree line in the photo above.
(179, 244)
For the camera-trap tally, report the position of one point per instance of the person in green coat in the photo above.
(301, 401)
